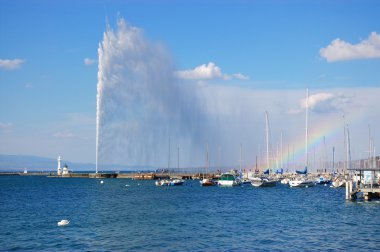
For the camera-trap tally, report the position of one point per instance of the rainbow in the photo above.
(331, 129)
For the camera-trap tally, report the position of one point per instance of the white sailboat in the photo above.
(264, 181)
(207, 181)
(170, 182)
(302, 180)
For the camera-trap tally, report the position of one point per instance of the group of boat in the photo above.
(170, 182)
(266, 179)
(230, 179)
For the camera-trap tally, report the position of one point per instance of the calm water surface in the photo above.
(143, 217)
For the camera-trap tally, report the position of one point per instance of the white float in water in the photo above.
(101, 181)
(63, 223)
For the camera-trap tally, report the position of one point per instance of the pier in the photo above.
(365, 183)
(131, 175)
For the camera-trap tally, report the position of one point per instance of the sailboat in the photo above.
(340, 181)
(207, 181)
(304, 181)
(265, 181)
(170, 182)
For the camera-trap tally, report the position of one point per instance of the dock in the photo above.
(364, 183)
(131, 175)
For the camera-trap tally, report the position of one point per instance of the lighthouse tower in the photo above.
(59, 169)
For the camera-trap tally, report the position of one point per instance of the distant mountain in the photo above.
(35, 163)
(17, 163)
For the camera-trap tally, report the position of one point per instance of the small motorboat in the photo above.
(163, 182)
(170, 182)
(176, 182)
(229, 179)
(207, 182)
(301, 182)
(323, 181)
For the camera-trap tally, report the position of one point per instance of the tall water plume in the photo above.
(140, 103)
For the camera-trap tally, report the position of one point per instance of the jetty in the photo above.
(128, 175)
(364, 183)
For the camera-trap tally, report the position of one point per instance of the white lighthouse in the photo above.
(59, 169)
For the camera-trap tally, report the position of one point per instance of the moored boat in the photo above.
(263, 182)
(338, 183)
(301, 182)
(229, 179)
(285, 181)
(323, 181)
(207, 182)
(169, 182)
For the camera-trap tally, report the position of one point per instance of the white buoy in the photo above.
(101, 181)
(126, 185)
(63, 223)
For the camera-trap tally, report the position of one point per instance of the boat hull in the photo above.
(263, 183)
(207, 182)
(228, 183)
(165, 182)
(228, 179)
(301, 183)
(338, 183)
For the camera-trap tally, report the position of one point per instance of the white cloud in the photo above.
(88, 61)
(240, 76)
(11, 64)
(64, 134)
(340, 50)
(208, 72)
(325, 102)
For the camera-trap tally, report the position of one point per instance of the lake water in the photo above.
(144, 217)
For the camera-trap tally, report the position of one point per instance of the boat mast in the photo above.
(324, 154)
(169, 156)
(369, 147)
(207, 162)
(333, 164)
(344, 141)
(241, 147)
(307, 109)
(287, 167)
(282, 154)
(374, 157)
(267, 136)
(348, 157)
(178, 158)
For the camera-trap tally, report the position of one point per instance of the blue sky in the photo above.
(50, 98)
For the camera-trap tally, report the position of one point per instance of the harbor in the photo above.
(357, 183)
(182, 218)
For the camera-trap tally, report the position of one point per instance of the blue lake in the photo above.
(144, 217)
